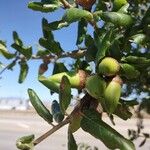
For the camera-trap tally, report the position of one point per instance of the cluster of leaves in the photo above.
(118, 32)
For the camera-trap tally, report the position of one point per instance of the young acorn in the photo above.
(95, 86)
(112, 94)
(76, 78)
(108, 67)
(87, 4)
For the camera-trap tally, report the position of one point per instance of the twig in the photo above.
(6, 67)
(72, 54)
(54, 129)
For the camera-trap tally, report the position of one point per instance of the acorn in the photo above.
(87, 4)
(95, 86)
(77, 78)
(108, 66)
(112, 94)
(75, 122)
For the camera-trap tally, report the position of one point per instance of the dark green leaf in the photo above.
(50, 45)
(91, 54)
(46, 34)
(4, 51)
(56, 112)
(55, 108)
(123, 111)
(75, 14)
(115, 50)
(59, 67)
(43, 53)
(101, 5)
(71, 141)
(16, 38)
(39, 106)
(64, 94)
(91, 49)
(23, 71)
(93, 124)
(82, 29)
(56, 25)
(102, 45)
(89, 40)
(26, 51)
(38, 6)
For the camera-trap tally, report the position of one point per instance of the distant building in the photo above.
(9, 103)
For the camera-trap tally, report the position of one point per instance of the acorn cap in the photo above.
(82, 76)
(117, 79)
(108, 66)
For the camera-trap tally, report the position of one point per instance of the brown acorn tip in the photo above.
(117, 79)
(43, 68)
(82, 77)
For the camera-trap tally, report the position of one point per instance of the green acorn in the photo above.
(108, 66)
(75, 122)
(129, 71)
(76, 78)
(112, 94)
(95, 86)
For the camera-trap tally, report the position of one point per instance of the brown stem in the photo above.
(72, 54)
(6, 67)
(54, 129)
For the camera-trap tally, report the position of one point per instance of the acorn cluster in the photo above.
(105, 86)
